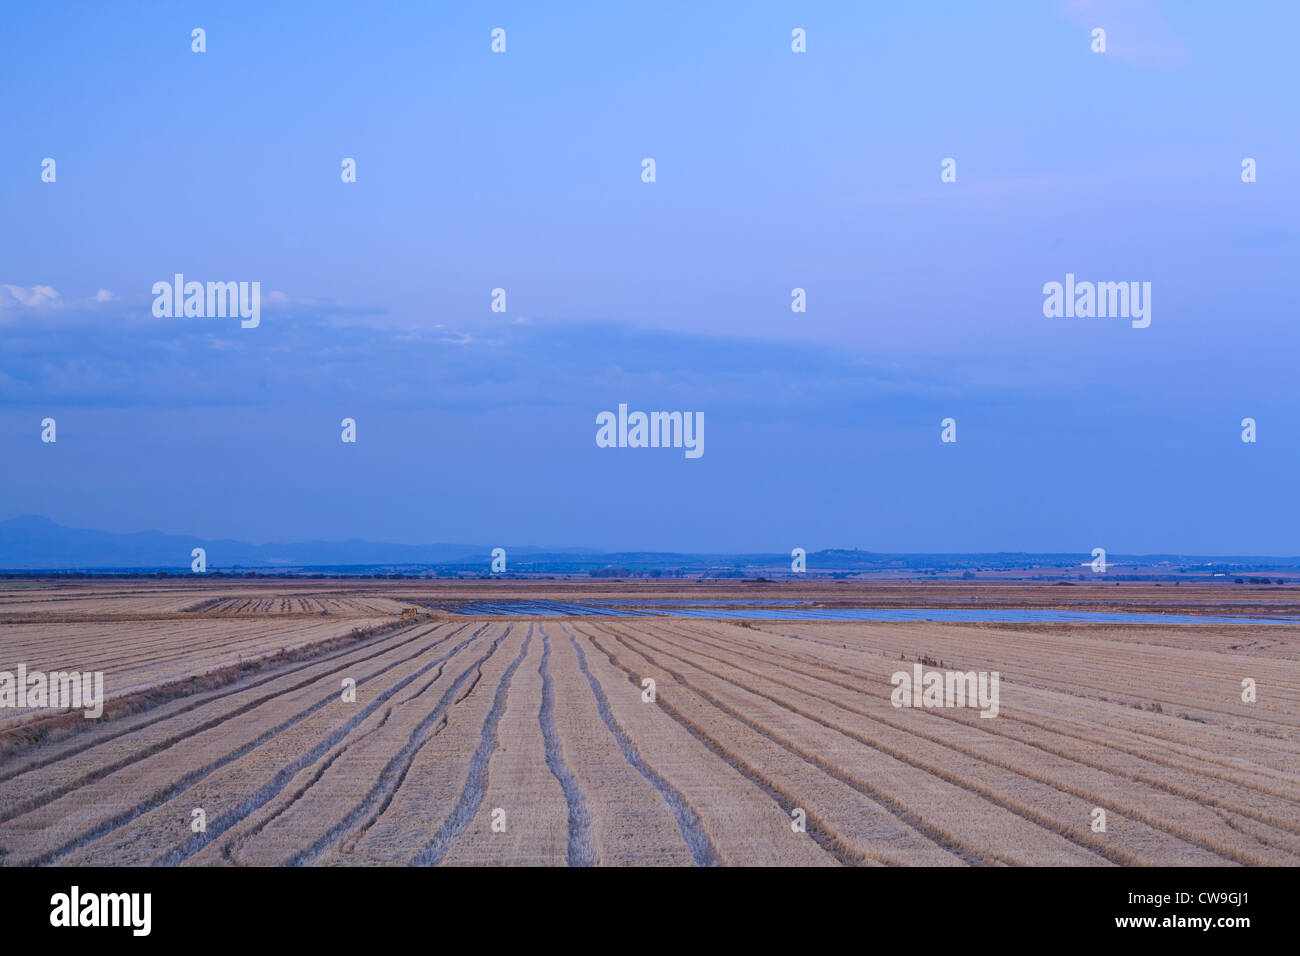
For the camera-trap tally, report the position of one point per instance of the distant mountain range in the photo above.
(33, 543)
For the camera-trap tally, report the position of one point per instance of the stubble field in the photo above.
(530, 741)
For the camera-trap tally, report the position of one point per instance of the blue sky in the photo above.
(775, 170)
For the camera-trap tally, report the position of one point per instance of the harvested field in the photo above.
(480, 741)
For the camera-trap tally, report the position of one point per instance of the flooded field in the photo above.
(764, 611)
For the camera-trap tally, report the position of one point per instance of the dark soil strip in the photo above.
(471, 797)
(394, 773)
(697, 840)
(52, 729)
(218, 826)
(582, 845)
(46, 796)
(820, 832)
(903, 813)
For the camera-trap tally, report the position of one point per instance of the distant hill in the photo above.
(32, 542)
(39, 544)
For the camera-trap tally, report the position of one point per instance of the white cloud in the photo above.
(103, 295)
(12, 296)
